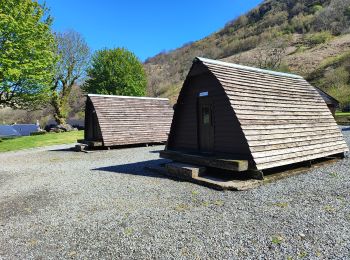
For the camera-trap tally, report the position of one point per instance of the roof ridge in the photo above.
(233, 65)
(135, 97)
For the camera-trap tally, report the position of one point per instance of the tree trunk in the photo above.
(59, 119)
(58, 109)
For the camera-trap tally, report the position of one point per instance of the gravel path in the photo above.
(63, 204)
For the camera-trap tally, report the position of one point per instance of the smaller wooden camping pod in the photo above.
(123, 120)
(267, 118)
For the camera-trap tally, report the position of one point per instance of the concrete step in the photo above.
(185, 171)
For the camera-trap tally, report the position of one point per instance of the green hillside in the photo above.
(308, 37)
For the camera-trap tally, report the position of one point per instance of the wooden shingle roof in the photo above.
(284, 119)
(132, 120)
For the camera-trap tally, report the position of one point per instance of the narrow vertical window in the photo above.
(206, 115)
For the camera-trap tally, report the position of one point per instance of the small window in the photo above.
(206, 115)
(204, 94)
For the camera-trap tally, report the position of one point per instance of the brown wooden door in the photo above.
(205, 125)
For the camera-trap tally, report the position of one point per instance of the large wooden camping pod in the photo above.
(121, 120)
(266, 118)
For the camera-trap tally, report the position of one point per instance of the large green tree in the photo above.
(27, 53)
(74, 58)
(116, 72)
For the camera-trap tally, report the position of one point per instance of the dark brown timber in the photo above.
(268, 118)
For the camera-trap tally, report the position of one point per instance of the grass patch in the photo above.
(344, 121)
(219, 203)
(333, 174)
(342, 113)
(341, 199)
(329, 208)
(333, 61)
(206, 203)
(128, 231)
(277, 240)
(281, 204)
(342, 118)
(299, 49)
(195, 192)
(303, 254)
(32, 242)
(317, 38)
(182, 207)
(26, 142)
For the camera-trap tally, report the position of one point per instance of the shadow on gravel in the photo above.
(121, 147)
(136, 168)
(63, 150)
(157, 151)
(24, 205)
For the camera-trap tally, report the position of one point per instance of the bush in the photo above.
(333, 18)
(318, 38)
(347, 11)
(341, 93)
(336, 77)
(300, 23)
(316, 8)
(274, 19)
(38, 133)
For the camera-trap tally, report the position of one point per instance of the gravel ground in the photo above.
(61, 204)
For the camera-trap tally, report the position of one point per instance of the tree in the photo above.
(271, 54)
(116, 72)
(74, 58)
(27, 53)
(333, 18)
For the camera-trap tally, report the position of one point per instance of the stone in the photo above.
(65, 127)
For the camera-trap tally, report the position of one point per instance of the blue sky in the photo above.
(144, 27)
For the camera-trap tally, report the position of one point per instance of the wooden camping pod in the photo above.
(122, 120)
(268, 118)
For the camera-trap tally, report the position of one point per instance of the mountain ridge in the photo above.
(305, 35)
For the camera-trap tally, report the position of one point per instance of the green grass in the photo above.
(26, 142)
(332, 61)
(342, 118)
(342, 113)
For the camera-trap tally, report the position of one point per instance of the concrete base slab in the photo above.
(199, 176)
(91, 144)
(222, 162)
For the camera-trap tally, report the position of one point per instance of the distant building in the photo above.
(26, 129)
(8, 131)
(76, 123)
(18, 130)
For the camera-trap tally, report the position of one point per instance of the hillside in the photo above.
(308, 37)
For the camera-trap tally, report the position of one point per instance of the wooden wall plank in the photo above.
(284, 119)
